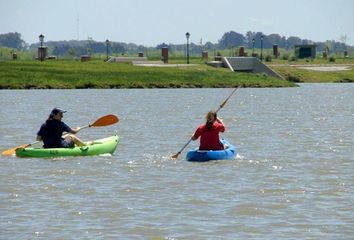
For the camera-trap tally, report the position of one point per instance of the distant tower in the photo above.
(77, 26)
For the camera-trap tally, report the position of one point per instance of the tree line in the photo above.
(229, 40)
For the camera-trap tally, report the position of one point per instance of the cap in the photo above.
(57, 110)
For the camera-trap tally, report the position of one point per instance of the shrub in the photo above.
(268, 58)
(293, 78)
(285, 56)
(292, 59)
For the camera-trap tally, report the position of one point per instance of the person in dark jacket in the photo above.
(51, 132)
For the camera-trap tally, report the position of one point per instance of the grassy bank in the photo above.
(67, 74)
(292, 70)
(296, 74)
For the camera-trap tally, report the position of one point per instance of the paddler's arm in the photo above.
(219, 120)
(75, 130)
(72, 131)
(196, 134)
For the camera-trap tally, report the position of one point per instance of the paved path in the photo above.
(319, 67)
(147, 64)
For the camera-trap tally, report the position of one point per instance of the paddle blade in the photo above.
(173, 157)
(180, 151)
(12, 151)
(105, 121)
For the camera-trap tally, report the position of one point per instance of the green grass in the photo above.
(322, 61)
(310, 76)
(68, 74)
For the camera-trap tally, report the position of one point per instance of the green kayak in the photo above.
(100, 146)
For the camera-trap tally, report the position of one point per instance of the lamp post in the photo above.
(262, 47)
(41, 38)
(107, 42)
(187, 36)
(253, 42)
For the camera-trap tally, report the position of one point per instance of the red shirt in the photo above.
(209, 139)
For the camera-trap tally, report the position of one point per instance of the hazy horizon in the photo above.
(154, 22)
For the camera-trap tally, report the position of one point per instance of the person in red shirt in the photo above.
(209, 133)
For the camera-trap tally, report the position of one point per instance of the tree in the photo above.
(210, 46)
(118, 47)
(159, 46)
(72, 52)
(12, 40)
(249, 38)
(232, 39)
(343, 39)
(274, 39)
(291, 41)
(257, 37)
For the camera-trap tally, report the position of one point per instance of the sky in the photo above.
(152, 22)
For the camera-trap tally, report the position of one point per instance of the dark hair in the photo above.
(50, 117)
(55, 111)
(209, 120)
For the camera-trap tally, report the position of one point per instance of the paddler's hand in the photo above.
(219, 120)
(75, 130)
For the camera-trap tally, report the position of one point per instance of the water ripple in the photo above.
(292, 179)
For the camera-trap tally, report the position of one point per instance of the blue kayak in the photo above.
(196, 155)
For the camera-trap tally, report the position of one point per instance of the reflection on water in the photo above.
(293, 178)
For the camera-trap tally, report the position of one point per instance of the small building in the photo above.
(305, 51)
(205, 55)
(42, 53)
(164, 54)
(14, 55)
(85, 58)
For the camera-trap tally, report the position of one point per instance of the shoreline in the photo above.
(96, 74)
(66, 74)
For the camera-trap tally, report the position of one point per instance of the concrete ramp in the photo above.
(248, 64)
(226, 63)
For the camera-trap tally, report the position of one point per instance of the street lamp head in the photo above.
(107, 41)
(187, 35)
(262, 37)
(41, 37)
(253, 40)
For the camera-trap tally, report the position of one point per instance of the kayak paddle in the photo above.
(102, 121)
(220, 107)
